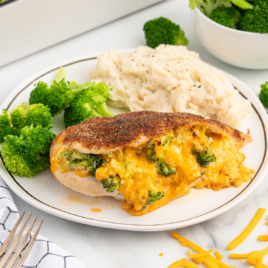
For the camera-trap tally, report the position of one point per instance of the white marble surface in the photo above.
(97, 247)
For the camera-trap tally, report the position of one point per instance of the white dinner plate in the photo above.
(47, 194)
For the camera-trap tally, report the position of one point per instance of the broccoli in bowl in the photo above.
(249, 16)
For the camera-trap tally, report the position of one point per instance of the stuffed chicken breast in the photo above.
(147, 159)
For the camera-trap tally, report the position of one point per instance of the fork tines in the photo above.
(6, 260)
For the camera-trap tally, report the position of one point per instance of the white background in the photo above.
(97, 247)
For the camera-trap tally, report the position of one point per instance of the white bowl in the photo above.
(238, 48)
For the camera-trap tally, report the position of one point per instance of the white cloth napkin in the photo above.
(44, 254)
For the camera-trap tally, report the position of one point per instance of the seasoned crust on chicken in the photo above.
(100, 135)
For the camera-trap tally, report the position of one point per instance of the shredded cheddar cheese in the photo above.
(243, 236)
(263, 238)
(161, 254)
(257, 255)
(259, 263)
(177, 264)
(254, 258)
(251, 253)
(209, 263)
(266, 223)
(189, 264)
(198, 249)
(251, 261)
(199, 255)
(198, 260)
(245, 256)
(238, 256)
(218, 255)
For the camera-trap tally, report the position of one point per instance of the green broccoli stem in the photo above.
(95, 113)
(208, 7)
(61, 74)
(77, 87)
(103, 110)
(73, 86)
(242, 4)
(18, 115)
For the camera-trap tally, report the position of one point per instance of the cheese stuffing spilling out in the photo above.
(166, 167)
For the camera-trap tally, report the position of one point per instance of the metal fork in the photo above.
(6, 258)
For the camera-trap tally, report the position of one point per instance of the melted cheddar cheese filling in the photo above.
(166, 167)
(139, 175)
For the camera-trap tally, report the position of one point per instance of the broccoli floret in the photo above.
(163, 168)
(38, 115)
(111, 184)
(167, 140)
(90, 103)
(204, 157)
(150, 146)
(163, 31)
(255, 20)
(89, 162)
(27, 115)
(6, 127)
(264, 95)
(151, 155)
(59, 95)
(153, 196)
(18, 115)
(24, 115)
(29, 153)
(228, 17)
(207, 6)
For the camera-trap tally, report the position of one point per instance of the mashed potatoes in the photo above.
(169, 79)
